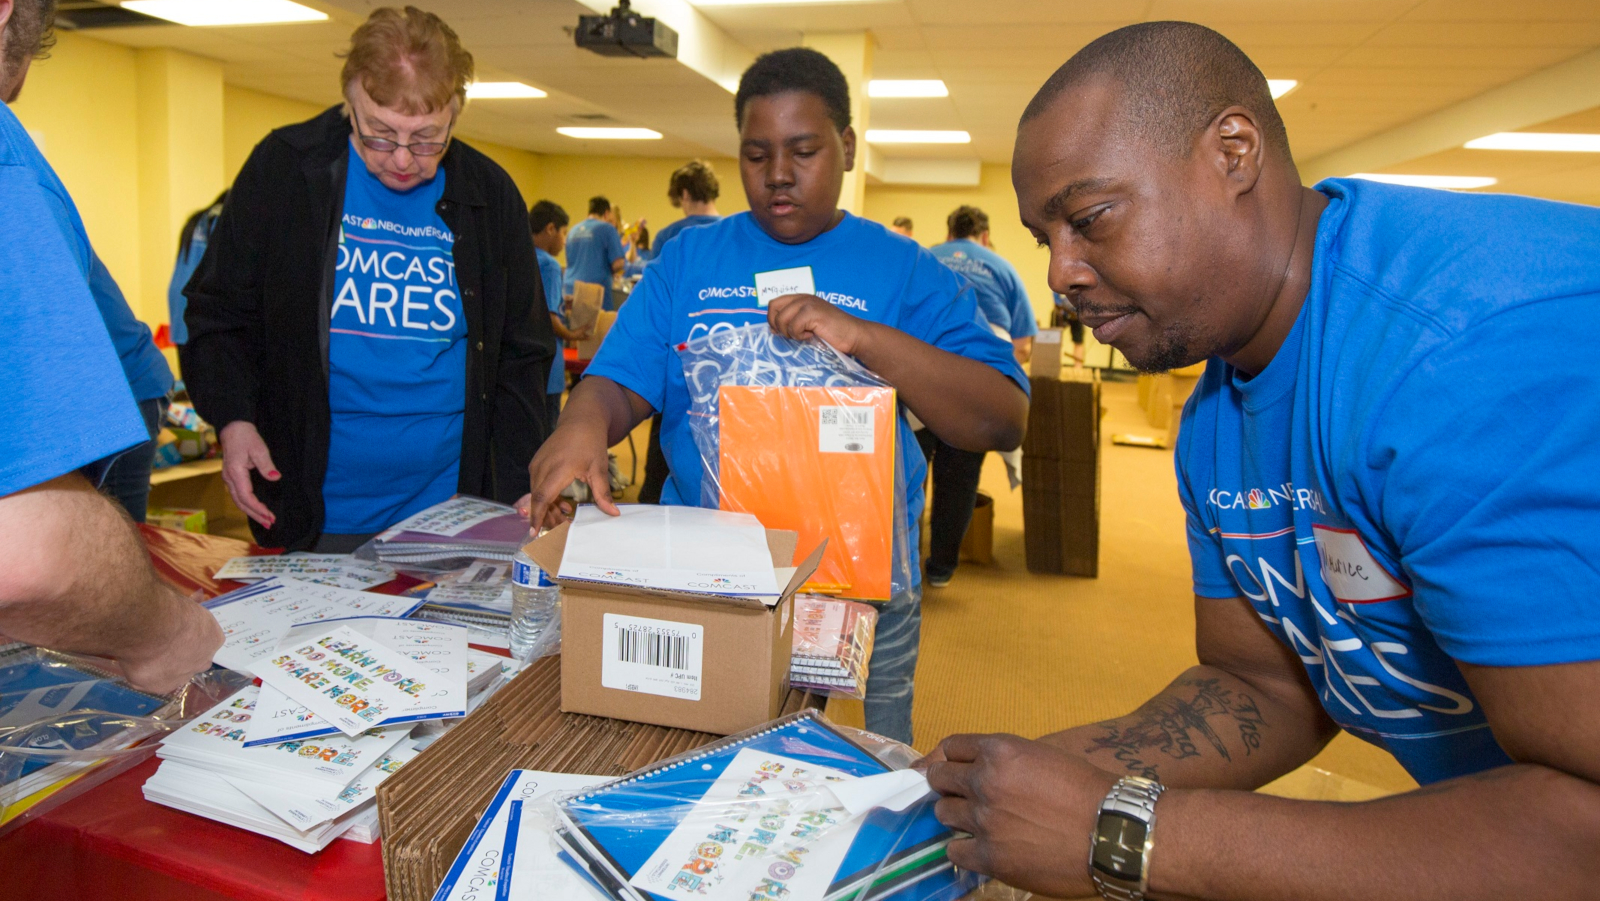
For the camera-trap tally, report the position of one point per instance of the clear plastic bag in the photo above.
(66, 722)
(798, 809)
(832, 645)
(807, 439)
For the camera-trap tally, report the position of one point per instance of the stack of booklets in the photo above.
(256, 617)
(450, 535)
(477, 595)
(832, 645)
(764, 814)
(302, 793)
(510, 849)
(339, 570)
(51, 706)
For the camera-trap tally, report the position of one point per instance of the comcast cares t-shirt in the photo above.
(704, 281)
(1392, 497)
(397, 357)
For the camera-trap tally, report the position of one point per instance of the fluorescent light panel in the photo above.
(896, 136)
(1531, 140)
(225, 12)
(503, 90)
(1431, 181)
(1281, 86)
(888, 87)
(609, 134)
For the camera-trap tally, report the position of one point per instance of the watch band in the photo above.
(1135, 797)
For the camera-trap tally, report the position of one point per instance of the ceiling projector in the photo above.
(626, 33)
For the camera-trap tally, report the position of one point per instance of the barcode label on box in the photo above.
(652, 656)
(845, 430)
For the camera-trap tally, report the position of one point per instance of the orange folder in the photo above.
(818, 461)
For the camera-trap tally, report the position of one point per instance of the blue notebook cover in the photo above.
(664, 796)
(37, 686)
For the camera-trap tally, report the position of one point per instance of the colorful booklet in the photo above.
(452, 533)
(338, 570)
(756, 813)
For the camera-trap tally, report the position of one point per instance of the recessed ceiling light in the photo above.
(888, 87)
(502, 90)
(1431, 181)
(597, 133)
(896, 136)
(1281, 86)
(1530, 140)
(226, 12)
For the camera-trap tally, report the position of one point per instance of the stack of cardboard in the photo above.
(429, 808)
(1061, 475)
(1162, 398)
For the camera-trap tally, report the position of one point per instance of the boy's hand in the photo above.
(802, 316)
(573, 451)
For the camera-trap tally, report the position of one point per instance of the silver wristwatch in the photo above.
(1119, 855)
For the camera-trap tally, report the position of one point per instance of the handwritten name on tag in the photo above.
(779, 282)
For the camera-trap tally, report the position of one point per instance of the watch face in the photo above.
(1119, 847)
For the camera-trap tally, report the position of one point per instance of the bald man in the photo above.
(1389, 471)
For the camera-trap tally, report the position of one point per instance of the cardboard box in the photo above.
(977, 545)
(744, 652)
(1064, 416)
(590, 346)
(1061, 477)
(588, 301)
(1046, 362)
(182, 519)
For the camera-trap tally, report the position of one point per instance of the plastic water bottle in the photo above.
(535, 610)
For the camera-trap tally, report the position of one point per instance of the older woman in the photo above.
(361, 329)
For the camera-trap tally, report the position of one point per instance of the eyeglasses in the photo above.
(384, 145)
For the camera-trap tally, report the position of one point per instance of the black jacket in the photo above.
(259, 307)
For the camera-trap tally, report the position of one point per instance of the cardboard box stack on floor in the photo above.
(1061, 475)
(1162, 397)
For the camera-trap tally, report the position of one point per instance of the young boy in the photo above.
(548, 222)
(889, 303)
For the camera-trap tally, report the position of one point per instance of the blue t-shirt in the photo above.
(1001, 297)
(397, 357)
(550, 275)
(672, 230)
(705, 281)
(592, 246)
(1411, 481)
(145, 368)
(182, 271)
(59, 371)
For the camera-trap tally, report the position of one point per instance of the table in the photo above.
(112, 843)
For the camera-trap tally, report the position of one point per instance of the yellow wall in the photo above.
(928, 208)
(247, 116)
(81, 104)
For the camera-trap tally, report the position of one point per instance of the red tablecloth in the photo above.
(111, 843)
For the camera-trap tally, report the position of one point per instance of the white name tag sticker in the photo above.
(1350, 570)
(845, 430)
(652, 656)
(779, 282)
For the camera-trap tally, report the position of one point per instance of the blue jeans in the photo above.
(892, 672)
(128, 479)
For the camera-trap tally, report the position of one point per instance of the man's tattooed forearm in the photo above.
(1180, 727)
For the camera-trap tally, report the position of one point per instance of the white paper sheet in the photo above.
(253, 619)
(673, 548)
(338, 570)
(351, 680)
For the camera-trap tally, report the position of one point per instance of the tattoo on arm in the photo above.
(1179, 725)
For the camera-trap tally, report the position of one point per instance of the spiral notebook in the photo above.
(628, 831)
